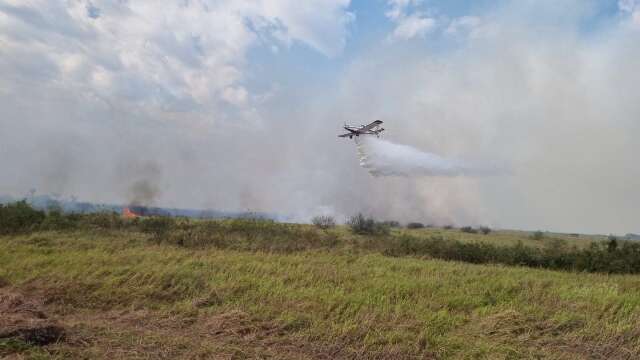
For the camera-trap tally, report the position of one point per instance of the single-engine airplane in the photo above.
(372, 129)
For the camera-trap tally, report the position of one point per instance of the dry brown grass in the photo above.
(23, 318)
(549, 339)
(146, 334)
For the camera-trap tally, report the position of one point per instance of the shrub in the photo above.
(391, 223)
(324, 221)
(612, 243)
(538, 235)
(556, 244)
(240, 234)
(415, 225)
(158, 226)
(105, 220)
(485, 230)
(603, 257)
(57, 220)
(468, 229)
(18, 217)
(362, 225)
(448, 227)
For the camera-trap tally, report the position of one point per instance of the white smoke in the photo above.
(384, 158)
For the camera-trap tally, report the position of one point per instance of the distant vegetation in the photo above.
(612, 256)
(468, 230)
(538, 235)
(415, 225)
(237, 234)
(391, 223)
(46, 202)
(631, 236)
(324, 222)
(363, 225)
(607, 257)
(19, 217)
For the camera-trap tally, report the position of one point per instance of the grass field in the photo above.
(121, 293)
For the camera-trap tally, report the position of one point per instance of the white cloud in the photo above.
(235, 95)
(398, 8)
(321, 24)
(632, 8)
(413, 26)
(463, 24)
(181, 55)
(627, 5)
(409, 22)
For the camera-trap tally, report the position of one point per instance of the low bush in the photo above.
(363, 225)
(485, 230)
(158, 226)
(324, 221)
(391, 223)
(468, 230)
(599, 257)
(538, 235)
(415, 225)
(57, 220)
(106, 221)
(19, 217)
(243, 234)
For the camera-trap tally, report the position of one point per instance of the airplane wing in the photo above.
(372, 125)
(345, 135)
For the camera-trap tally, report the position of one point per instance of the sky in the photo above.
(235, 105)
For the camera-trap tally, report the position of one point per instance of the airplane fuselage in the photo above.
(371, 129)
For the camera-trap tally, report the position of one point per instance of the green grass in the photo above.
(333, 297)
(504, 237)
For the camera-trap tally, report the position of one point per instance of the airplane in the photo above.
(371, 129)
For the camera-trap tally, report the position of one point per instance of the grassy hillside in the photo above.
(257, 289)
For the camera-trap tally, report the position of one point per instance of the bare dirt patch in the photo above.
(24, 318)
(42, 316)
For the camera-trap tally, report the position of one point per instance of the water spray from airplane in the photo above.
(384, 158)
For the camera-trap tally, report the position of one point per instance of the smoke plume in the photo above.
(144, 179)
(549, 87)
(142, 193)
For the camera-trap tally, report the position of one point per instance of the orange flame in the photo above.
(128, 214)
